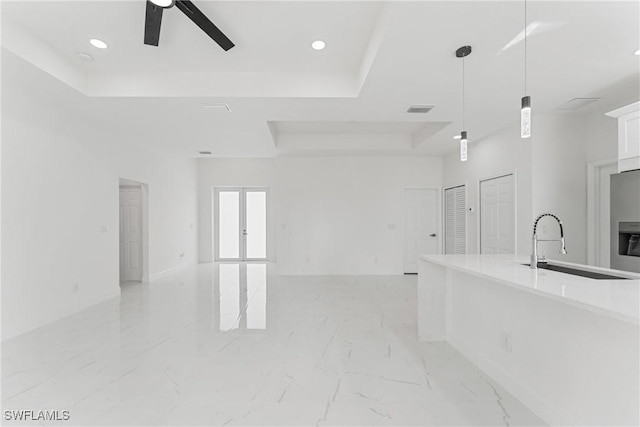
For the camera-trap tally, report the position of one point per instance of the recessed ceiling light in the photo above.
(318, 45)
(162, 3)
(85, 56)
(637, 52)
(98, 43)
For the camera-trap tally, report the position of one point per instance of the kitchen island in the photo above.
(566, 346)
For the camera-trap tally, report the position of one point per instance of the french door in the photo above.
(240, 224)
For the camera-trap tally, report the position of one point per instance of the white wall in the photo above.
(560, 184)
(330, 215)
(232, 173)
(499, 154)
(334, 213)
(60, 179)
(550, 174)
(601, 135)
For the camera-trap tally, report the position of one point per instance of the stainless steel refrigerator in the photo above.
(625, 221)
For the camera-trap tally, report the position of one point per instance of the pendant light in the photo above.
(463, 52)
(525, 106)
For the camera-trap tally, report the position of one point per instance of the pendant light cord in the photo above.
(463, 127)
(525, 47)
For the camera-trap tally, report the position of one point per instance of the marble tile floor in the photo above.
(234, 344)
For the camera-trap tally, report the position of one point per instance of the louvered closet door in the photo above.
(455, 220)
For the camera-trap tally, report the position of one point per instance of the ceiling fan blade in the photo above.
(204, 23)
(152, 23)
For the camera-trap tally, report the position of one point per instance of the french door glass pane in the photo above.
(256, 212)
(229, 224)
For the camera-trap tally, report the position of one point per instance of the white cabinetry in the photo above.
(628, 136)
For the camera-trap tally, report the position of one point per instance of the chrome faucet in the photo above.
(534, 250)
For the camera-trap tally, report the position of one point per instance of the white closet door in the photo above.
(455, 220)
(497, 213)
(130, 234)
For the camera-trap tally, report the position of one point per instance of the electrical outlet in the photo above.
(75, 287)
(181, 254)
(375, 260)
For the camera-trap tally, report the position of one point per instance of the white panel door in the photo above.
(455, 226)
(497, 216)
(420, 226)
(130, 234)
(241, 224)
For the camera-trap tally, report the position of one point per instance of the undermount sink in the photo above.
(577, 272)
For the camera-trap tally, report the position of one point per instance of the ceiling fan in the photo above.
(153, 20)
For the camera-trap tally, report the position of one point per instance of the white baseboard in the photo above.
(100, 298)
(552, 416)
(170, 271)
(60, 314)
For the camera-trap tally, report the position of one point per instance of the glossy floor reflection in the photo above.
(231, 344)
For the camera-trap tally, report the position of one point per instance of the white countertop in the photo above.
(616, 298)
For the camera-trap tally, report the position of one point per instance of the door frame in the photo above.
(242, 213)
(144, 197)
(593, 209)
(515, 210)
(439, 225)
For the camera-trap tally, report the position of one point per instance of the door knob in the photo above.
(432, 235)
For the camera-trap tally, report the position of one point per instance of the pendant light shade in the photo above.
(525, 117)
(463, 146)
(462, 53)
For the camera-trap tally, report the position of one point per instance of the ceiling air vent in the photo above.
(576, 103)
(422, 109)
(218, 108)
(205, 153)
